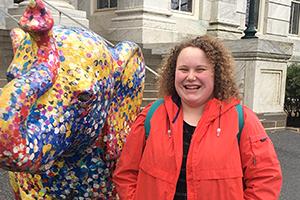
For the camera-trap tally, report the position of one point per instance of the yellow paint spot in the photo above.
(68, 133)
(46, 148)
(60, 164)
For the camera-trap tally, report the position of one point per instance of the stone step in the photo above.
(5, 59)
(273, 125)
(5, 45)
(151, 79)
(150, 93)
(5, 39)
(4, 32)
(2, 82)
(146, 101)
(149, 52)
(154, 68)
(154, 62)
(151, 76)
(3, 72)
(150, 86)
(273, 121)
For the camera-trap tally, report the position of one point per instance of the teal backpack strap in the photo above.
(239, 109)
(150, 112)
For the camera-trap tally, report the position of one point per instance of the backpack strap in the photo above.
(150, 112)
(158, 102)
(240, 112)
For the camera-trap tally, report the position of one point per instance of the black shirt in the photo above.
(181, 188)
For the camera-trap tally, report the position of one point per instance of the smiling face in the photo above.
(194, 77)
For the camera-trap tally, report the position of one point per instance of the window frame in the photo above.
(103, 9)
(181, 11)
(291, 23)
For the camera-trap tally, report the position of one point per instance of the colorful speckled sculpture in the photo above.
(67, 109)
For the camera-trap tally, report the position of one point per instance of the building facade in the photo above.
(261, 64)
(156, 25)
(169, 21)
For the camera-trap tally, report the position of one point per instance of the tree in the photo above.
(293, 81)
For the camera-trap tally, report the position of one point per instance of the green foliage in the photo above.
(293, 80)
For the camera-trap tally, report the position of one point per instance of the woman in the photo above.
(192, 151)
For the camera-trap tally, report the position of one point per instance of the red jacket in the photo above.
(216, 165)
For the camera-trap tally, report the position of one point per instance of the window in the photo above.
(182, 5)
(106, 4)
(295, 18)
(256, 13)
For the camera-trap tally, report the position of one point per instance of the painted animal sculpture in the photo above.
(67, 109)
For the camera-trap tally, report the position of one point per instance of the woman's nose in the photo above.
(191, 76)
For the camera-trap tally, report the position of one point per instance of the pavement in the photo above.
(5, 189)
(287, 145)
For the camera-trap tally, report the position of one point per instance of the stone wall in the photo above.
(4, 5)
(6, 55)
(261, 67)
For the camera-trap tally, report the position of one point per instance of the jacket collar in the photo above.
(214, 108)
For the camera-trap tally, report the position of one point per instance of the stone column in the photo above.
(4, 5)
(59, 19)
(261, 74)
(224, 20)
(143, 21)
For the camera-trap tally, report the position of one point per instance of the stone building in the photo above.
(158, 24)
(169, 21)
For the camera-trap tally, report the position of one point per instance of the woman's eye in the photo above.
(183, 70)
(200, 70)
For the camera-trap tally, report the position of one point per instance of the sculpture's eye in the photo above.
(9, 77)
(84, 96)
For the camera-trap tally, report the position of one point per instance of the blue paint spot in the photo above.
(27, 42)
(62, 58)
(5, 116)
(19, 91)
(26, 64)
(59, 44)
(13, 100)
(67, 32)
(52, 120)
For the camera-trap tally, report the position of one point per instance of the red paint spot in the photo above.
(24, 111)
(120, 62)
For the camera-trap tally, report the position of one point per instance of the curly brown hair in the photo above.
(222, 60)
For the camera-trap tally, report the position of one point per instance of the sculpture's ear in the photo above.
(17, 35)
(125, 105)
